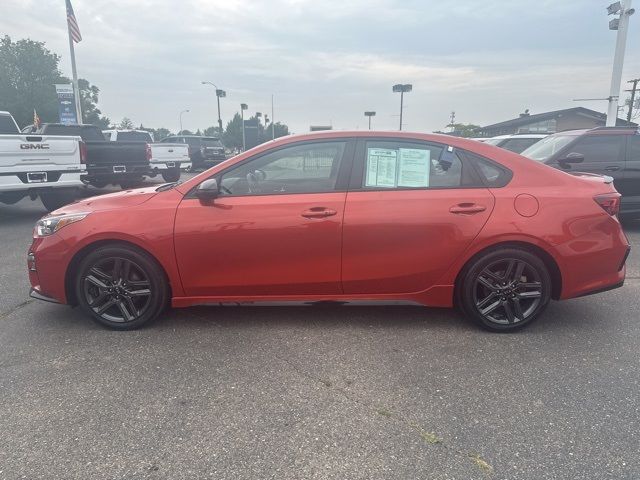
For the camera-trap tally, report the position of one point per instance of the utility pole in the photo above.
(273, 127)
(621, 24)
(243, 107)
(633, 96)
(369, 115)
(402, 88)
(452, 119)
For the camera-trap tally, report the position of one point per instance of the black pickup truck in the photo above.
(121, 163)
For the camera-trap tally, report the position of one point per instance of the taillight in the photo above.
(148, 150)
(83, 152)
(610, 202)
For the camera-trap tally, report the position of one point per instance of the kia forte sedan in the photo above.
(345, 217)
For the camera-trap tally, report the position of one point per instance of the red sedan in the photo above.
(340, 217)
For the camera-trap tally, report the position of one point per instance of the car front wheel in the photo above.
(121, 287)
(504, 290)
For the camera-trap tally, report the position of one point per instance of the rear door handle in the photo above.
(318, 212)
(467, 208)
(611, 168)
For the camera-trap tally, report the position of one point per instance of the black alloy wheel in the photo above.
(121, 287)
(505, 289)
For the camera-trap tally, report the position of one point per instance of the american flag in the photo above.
(72, 23)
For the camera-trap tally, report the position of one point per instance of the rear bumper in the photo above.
(55, 179)
(163, 166)
(117, 170)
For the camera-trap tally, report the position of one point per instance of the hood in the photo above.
(110, 201)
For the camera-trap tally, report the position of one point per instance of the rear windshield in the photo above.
(88, 134)
(518, 145)
(211, 142)
(493, 141)
(7, 126)
(133, 137)
(547, 147)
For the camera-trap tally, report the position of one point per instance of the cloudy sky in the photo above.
(326, 62)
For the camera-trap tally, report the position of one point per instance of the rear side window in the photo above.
(491, 174)
(598, 148)
(634, 148)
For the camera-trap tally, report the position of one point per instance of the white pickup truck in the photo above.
(166, 159)
(48, 167)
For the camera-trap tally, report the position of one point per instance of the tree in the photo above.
(125, 124)
(28, 72)
(161, 133)
(89, 103)
(463, 129)
(232, 137)
(211, 131)
(281, 130)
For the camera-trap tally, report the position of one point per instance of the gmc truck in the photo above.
(166, 159)
(121, 163)
(39, 166)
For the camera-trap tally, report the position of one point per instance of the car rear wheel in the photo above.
(504, 290)
(121, 287)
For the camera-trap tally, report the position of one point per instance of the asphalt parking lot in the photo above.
(317, 392)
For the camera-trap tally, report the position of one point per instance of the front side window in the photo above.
(305, 168)
(634, 148)
(599, 148)
(410, 165)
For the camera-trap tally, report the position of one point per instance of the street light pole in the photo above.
(183, 111)
(623, 8)
(369, 114)
(402, 88)
(633, 96)
(243, 107)
(219, 93)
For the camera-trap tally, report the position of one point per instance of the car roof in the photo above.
(601, 131)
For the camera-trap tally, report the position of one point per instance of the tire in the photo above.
(128, 184)
(121, 287)
(171, 175)
(55, 200)
(504, 290)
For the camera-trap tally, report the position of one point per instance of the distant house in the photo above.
(550, 122)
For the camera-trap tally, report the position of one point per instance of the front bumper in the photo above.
(38, 295)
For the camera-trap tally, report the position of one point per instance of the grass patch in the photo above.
(481, 464)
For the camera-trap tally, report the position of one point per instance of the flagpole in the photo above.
(76, 91)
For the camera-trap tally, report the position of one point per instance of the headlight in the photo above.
(49, 225)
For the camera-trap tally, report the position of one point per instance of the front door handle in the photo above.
(467, 208)
(318, 212)
(612, 168)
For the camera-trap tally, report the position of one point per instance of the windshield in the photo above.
(88, 134)
(211, 142)
(547, 147)
(134, 137)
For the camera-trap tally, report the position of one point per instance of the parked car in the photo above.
(204, 151)
(340, 217)
(611, 151)
(167, 159)
(122, 163)
(515, 143)
(39, 166)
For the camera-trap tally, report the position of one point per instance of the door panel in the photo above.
(261, 245)
(631, 181)
(402, 241)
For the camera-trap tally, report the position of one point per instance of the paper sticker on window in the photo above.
(381, 167)
(414, 167)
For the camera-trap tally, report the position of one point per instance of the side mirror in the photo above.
(573, 157)
(208, 190)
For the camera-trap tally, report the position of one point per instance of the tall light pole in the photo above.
(402, 88)
(621, 24)
(243, 107)
(369, 114)
(183, 111)
(219, 94)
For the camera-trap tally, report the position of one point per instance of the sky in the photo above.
(326, 62)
